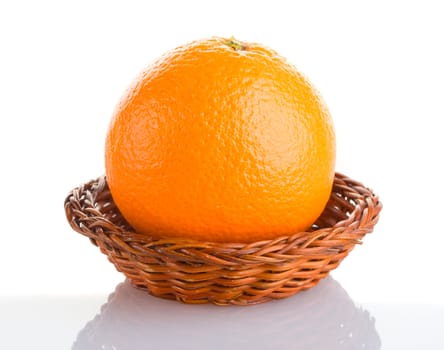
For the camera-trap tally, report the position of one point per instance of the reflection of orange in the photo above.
(220, 140)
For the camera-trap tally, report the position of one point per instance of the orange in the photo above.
(220, 140)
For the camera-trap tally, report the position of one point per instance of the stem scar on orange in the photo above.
(220, 140)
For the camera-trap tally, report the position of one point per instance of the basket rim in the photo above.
(363, 197)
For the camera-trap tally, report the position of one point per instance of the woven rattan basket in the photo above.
(226, 273)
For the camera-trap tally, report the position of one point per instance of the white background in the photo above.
(379, 66)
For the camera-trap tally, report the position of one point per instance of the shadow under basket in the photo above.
(226, 273)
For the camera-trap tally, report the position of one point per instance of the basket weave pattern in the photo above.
(226, 273)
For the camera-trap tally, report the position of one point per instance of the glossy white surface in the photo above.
(324, 317)
(63, 67)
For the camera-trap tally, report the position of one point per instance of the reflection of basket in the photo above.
(323, 318)
(226, 273)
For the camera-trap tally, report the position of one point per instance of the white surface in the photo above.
(324, 317)
(378, 65)
(63, 68)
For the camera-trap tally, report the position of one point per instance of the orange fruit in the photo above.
(220, 140)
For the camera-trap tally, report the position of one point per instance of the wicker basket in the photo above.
(226, 273)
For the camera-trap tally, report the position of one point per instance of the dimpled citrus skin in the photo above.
(222, 141)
